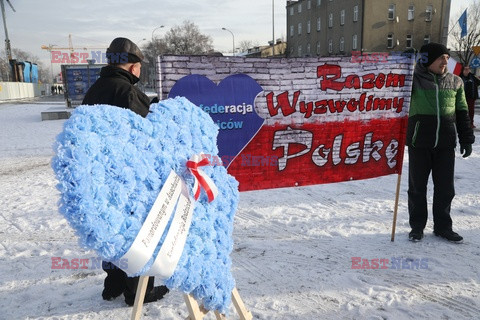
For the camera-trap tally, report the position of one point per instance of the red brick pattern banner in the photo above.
(293, 122)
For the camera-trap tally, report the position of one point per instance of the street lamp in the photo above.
(50, 47)
(155, 30)
(139, 41)
(233, 47)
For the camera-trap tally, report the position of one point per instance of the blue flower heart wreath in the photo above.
(111, 164)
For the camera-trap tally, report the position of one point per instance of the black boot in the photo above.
(449, 235)
(155, 294)
(415, 235)
(114, 283)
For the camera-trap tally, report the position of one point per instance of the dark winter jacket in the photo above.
(438, 111)
(116, 87)
(471, 83)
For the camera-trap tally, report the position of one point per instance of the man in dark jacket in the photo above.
(116, 86)
(470, 83)
(438, 111)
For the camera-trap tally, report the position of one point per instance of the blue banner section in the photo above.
(231, 106)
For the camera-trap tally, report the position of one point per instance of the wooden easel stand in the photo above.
(195, 311)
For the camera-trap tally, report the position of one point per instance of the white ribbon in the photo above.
(152, 229)
(172, 248)
(174, 192)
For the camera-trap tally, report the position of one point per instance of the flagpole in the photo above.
(452, 28)
(458, 20)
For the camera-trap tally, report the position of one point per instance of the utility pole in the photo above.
(7, 40)
(8, 49)
(273, 28)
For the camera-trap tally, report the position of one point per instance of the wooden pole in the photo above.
(395, 210)
(139, 296)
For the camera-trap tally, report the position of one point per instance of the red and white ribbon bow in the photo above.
(201, 179)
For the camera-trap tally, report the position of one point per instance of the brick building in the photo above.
(334, 27)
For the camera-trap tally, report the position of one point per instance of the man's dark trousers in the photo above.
(441, 163)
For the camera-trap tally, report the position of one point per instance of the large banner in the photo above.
(303, 121)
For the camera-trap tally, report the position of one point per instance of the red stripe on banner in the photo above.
(298, 155)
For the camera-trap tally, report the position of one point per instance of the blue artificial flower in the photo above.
(111, 164)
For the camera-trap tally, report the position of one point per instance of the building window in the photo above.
(354, 42)
(292, 31)
(299, 8)
(342, 17)
(409, 40)
(330, 46)
(411, 12)
(300, 28)
(308, 49)
(426, 39)
(428, 13)
(292, 11)
(355, 13)
(309, 4)
(299, 51)
(308, 26)
(319, 3)
(319, 24)
(342, 44)
(391, 12)
(330, 20)
(390, 40)
(318, 47)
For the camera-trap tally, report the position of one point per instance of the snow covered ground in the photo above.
(296, 250)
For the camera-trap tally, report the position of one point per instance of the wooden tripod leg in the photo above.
(240, 307)
(195, 311)
(219, 316)
(139, 296)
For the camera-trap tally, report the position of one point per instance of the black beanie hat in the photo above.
(432, 51)
(123, 50)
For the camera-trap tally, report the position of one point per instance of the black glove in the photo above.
(465, 149)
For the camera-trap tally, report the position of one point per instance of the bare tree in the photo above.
(464, 46)
(244, 45)
(4, 69)
(183, 40)
(188, 40)
(20, 56)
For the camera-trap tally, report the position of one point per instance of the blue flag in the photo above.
(462, 21)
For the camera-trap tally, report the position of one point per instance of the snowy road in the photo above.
(299, 253)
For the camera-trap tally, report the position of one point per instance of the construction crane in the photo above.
(70, 47)
(51, 47)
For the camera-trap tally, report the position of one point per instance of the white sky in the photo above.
(96, 23)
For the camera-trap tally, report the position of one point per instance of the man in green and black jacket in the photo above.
(438, 112)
